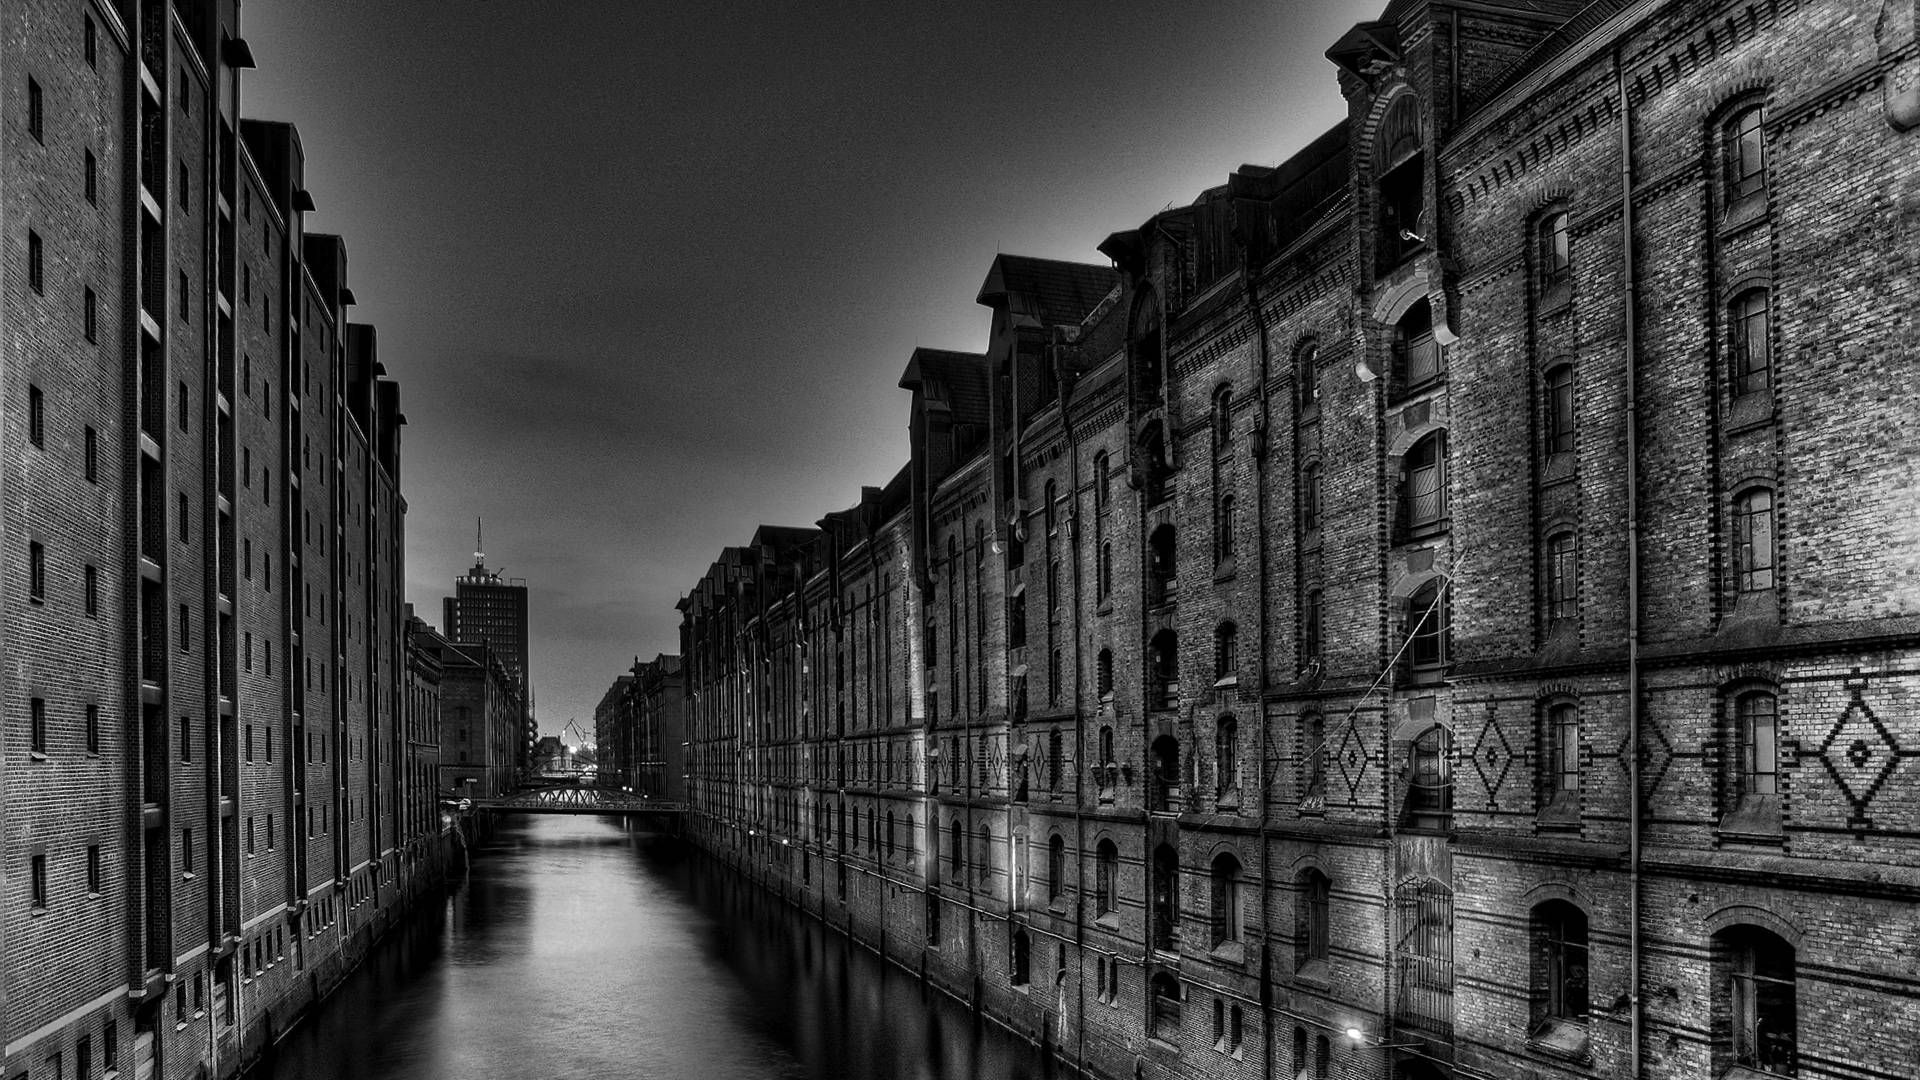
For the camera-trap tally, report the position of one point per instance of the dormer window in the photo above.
(1400, 182)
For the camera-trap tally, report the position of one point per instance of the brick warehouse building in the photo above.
(638, 730)
(210, 799)
(1267, 636)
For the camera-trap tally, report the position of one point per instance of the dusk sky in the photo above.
(648, 274)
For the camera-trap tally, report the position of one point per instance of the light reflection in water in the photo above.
(580, 949)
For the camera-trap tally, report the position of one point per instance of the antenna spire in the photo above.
(479, 547)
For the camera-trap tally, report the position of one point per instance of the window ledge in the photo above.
(1315, 973)
(1750, 411)
(36, 755)
(1224, 569)
(1108, 921)
(1561, 1038)
(1229, 952)
(1744, 213)
(1557, 299)
(1748, 1072)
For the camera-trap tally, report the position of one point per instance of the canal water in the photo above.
(577, 947)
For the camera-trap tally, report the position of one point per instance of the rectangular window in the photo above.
(1753, 541)
(186, 851)
(90, 315)
(36, 417)
(186, 738)
(1562, 578)
(181, 395)
(93, 729)
(90, 49)
(1751, 343)
(180, 515)
(36, 263)
(37, 572)
(36, 112)
(39, 872)
(91, 455)
(92, 179)
(110, 1047)
(37, 711)
(185, 304)
(93, 869)
(246, 661)
(91, 590)
(185, 202)
(1559, 420)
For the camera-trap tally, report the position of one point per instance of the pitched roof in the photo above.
(963, 374)
(1055, 292)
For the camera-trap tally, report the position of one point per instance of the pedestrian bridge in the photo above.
(580, 800)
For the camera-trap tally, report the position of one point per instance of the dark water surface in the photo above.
(577, 948)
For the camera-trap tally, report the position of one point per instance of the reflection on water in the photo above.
(578, 948)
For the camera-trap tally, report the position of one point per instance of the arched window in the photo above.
(1165, 1019)
(1017, 617)
(1164, 784)
(1559, 975)
(1558, 427)
(956, 858)
(1103, 574)
(1222, 419)
(1748, 342)
(1311, 919)
(1020, 971)
(1101, 491)
(1306, 364)
(1226, 755)
(1754, 972)
(1161, 579)
(1164, 693)
(1430, 780)
(1400, 181)
(1753, 540)
(1056, 867)
(1224, 908)
(1563, 603)
(1427, 626)
(1423, 482)
(1745, 155)
(1106, 879)
(1226, 650)
(1103, 673)
(1417, 356)
(1424, 911)
(1106, 745)
(983, 863)
(1556, 264)
(1051, 496)
(1164, 897)
(1225, 525)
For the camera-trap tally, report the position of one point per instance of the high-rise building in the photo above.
(201, 805)
(490, 609)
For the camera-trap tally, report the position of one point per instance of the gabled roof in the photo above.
(1054, 292)
(963, 374)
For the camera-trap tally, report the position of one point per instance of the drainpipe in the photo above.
(1259, 449)
(1079, 719)
(1633, 571)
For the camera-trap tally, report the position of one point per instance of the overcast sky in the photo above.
(648, 273)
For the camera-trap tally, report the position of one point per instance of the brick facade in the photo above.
(207, 815)
(1266, 636)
